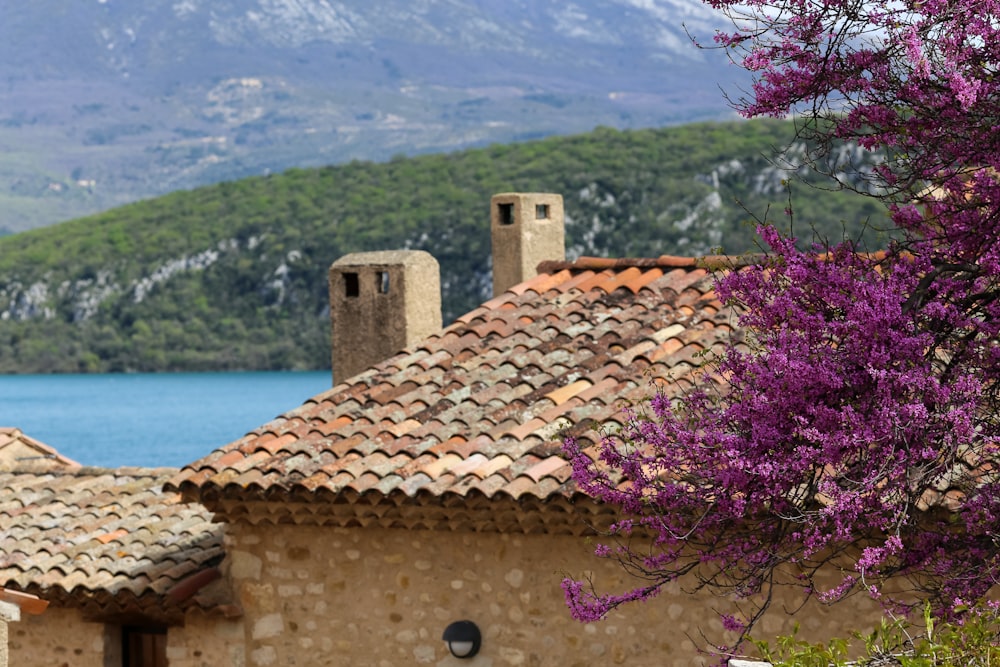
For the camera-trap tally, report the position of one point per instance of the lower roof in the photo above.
(110, 542)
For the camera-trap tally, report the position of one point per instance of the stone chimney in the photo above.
(380, 303)
(526, 229)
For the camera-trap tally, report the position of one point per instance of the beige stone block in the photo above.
(265, 655)
(267, 626)
(407, 636)
(514, 577)
(237, 656)
(244, 565)
(424, 654)
(9, 612)
(289, 590)
(512, 656)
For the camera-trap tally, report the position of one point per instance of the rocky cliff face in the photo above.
(106, 101)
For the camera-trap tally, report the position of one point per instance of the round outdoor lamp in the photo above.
(463, 639)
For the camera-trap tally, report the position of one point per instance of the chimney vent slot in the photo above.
(541, 211)
(383, 281)
(506, 214)
(351, 286)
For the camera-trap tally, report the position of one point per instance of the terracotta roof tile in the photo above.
(644, 279)
(596, 281)
(568, 391)
(571, 288)
(548, 467)
(410, 485)
(478, 409)
(491, 485)
(103, 539)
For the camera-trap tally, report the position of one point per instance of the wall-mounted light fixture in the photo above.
(463, 639)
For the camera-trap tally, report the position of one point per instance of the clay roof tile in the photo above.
(468, 407)
(86, 533)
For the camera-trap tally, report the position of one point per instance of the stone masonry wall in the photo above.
(57, 638)
(9, 613)
(206, 640)
(61, 638)
(382, 597)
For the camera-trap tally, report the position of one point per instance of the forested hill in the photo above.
(233, 276)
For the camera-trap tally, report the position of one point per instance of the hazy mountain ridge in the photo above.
(104, 102)
(233, 276)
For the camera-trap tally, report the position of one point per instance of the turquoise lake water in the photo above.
(167, 419)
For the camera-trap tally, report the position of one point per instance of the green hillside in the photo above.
(233, 276)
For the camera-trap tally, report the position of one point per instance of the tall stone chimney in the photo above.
(381, 302)
(526, 229)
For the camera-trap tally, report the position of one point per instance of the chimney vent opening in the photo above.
(383, 281)
(506, 214)
(541, 211)
(351, 286)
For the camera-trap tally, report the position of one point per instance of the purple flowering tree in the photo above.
(852, 424)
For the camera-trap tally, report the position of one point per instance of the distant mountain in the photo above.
(233, 276)
(107, 101)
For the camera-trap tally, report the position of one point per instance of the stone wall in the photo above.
(372, 596)
(382, 597)
(9, 613)
(206, 640)
(57, 638)
(61, 638)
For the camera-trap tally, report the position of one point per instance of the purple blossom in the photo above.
(862, 390)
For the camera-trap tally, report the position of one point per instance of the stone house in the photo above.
(425, 488)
